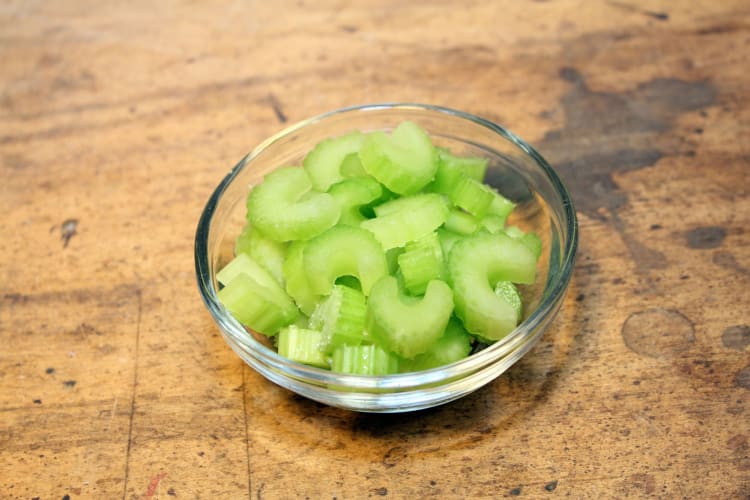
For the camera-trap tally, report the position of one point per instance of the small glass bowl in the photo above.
(515, 169)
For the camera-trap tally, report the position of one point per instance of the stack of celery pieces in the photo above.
(381, 254)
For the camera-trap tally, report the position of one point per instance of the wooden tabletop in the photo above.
(118, 120)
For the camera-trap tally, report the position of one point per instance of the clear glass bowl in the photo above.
(515, 169)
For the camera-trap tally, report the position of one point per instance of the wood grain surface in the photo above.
(118, 119)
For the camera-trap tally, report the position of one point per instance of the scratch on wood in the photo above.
(276, 105)
(132, 399)
(154, 484)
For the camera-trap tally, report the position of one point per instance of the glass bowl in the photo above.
(515, 169)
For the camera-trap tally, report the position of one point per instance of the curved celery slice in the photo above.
(407, 325)
(343, 251)
(421, 262)
(475, 265)
(340, 318)
(351, 194)
(265, 251)
(301, 345)
(296, 278)
(364, 360)
(324, 163)
(404, 162)
(284, 206)
(413, 217)
(453, 345)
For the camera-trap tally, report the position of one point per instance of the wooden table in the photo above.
(117, 121)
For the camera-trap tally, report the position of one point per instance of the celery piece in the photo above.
(460, 222)
(492, 223)
(421, 262)
(244, 264)
(284, 206)
(340, 318)
(351, 166)
(323, 164)
(471, 167)
(351, 194)
(414, 216)
(296, 278)
(447, 240)
(472, 196)
(301, 345)
(263, 309)
(407, 325)
(343, 251)
(391, 256)
(453, 345)
(508, 291)
(364, 360)
(531, 240)
(533, 243)
(265, 251)
(475, 265)
(447, 175)
(404, 162)
(500, 205)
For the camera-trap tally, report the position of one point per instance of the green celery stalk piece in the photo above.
(404, 162)
(475, 265)
(414, 217)
(367, 359)
(453, 345)
(285, 207)
(343, 251)
(265, 251)
(324, 163)
(352, 194)
(301, 345)
(263, 309)
(296, 278)
(405, 325)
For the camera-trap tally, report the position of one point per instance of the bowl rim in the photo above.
(230, 326)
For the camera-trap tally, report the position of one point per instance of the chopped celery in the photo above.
(343, 251)
(453, 345)
(266, 252)
(475, 265)
(462, 223)
(263, 309)
(414, 217)
(493, 223)
(404, 162)
(351, 166)
(381, 254)
(352, 194)
(508, 291)
(341, 318)
(364, 360)
(296, 279)
(408, 325)
(323, 164)
(301, 345)
(284, 206)
(472, 196)
(421, 262)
